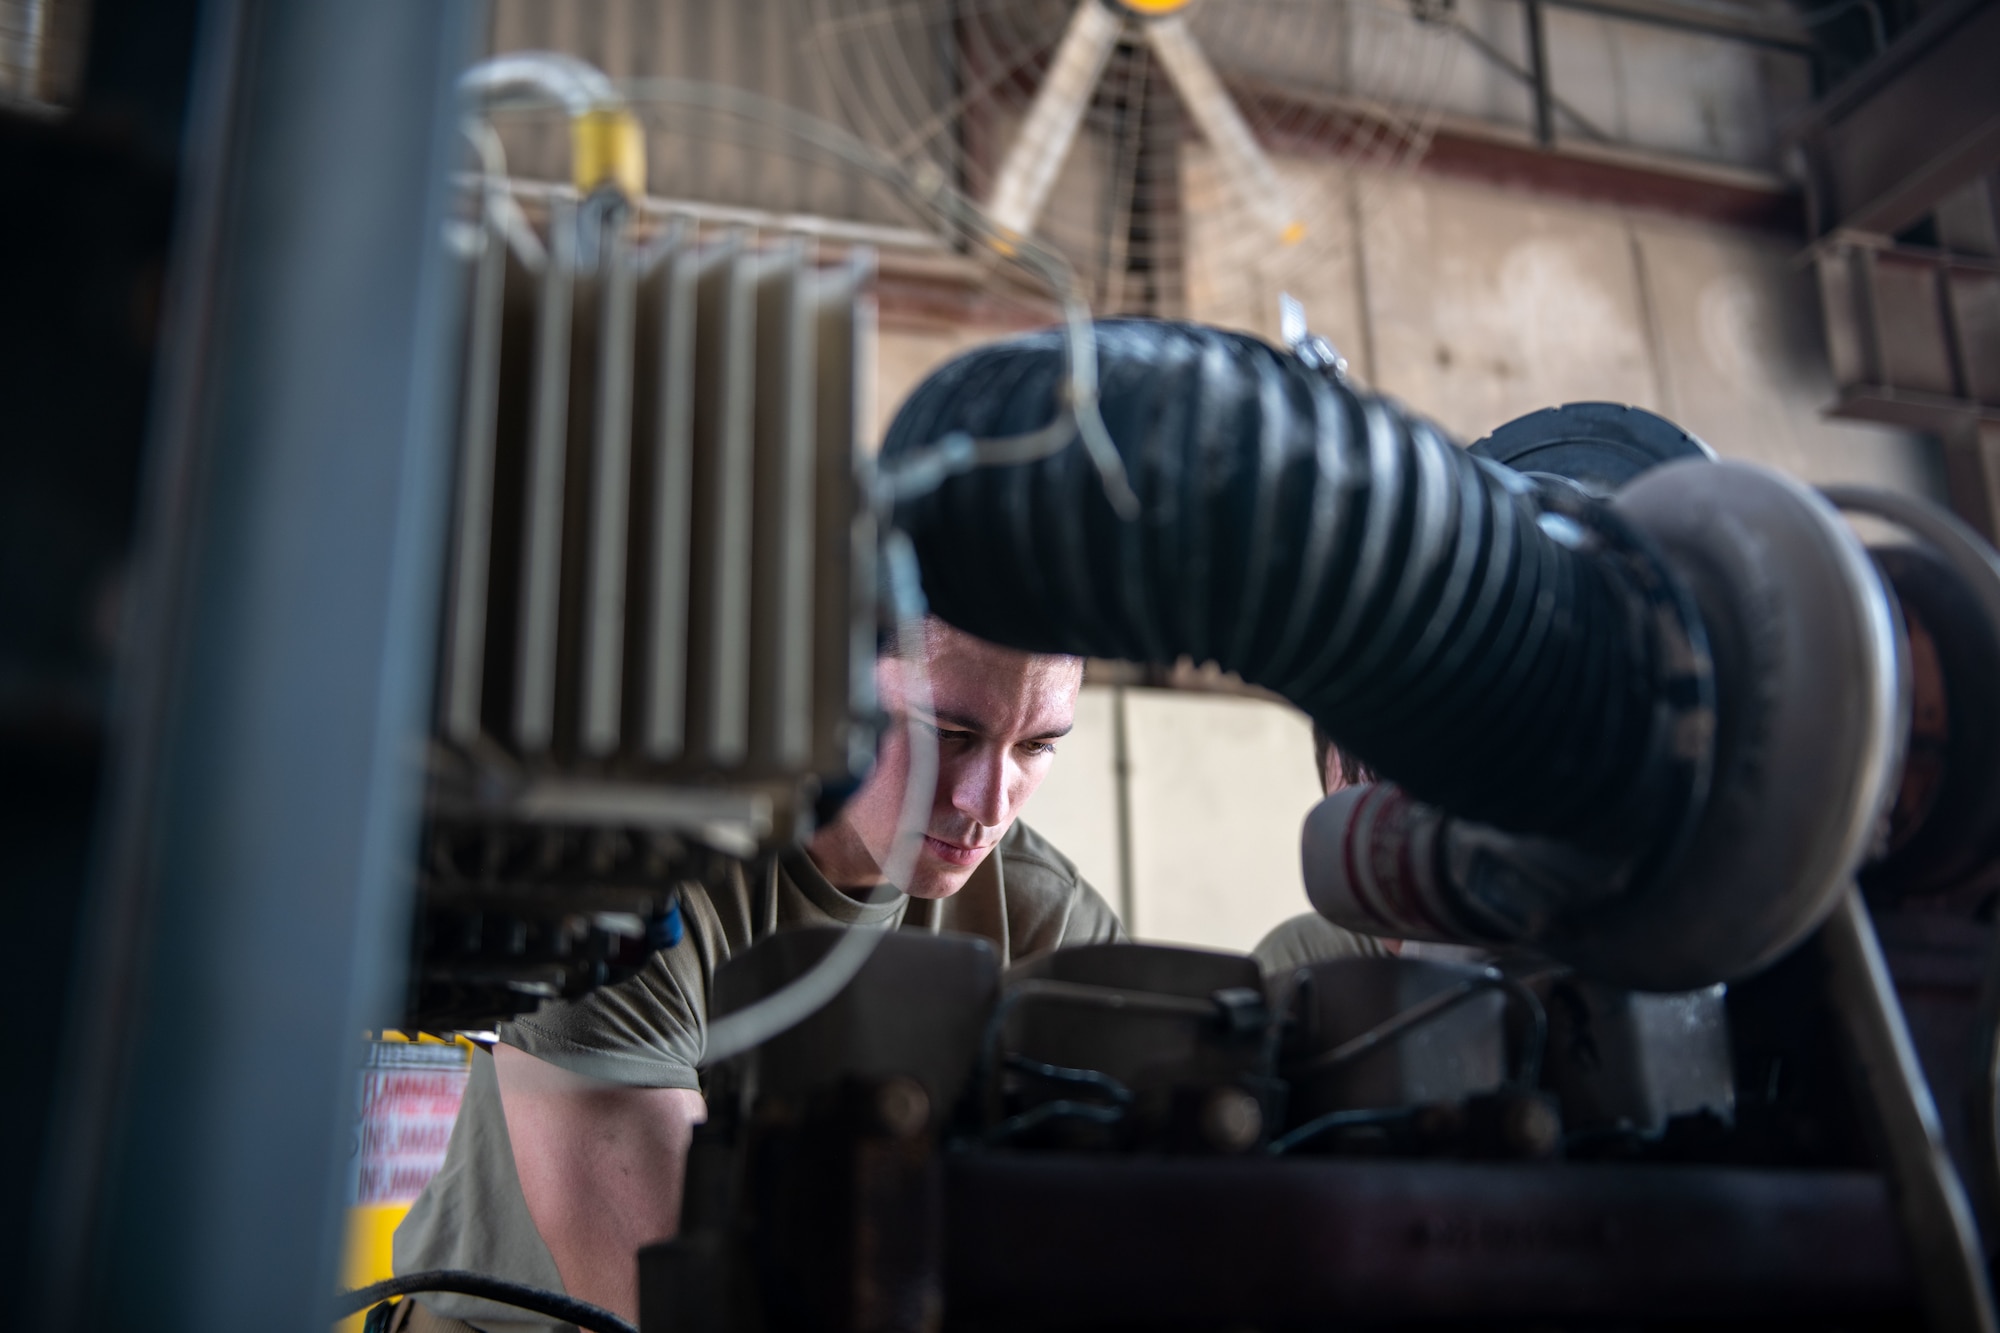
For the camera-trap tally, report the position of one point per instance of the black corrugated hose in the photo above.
(1435, 613)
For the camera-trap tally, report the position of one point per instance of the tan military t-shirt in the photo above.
(648, 1031)
(1310, 938)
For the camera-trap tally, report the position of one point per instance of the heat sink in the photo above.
(658, 629)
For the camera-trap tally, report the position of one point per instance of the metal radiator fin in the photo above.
(661, 580)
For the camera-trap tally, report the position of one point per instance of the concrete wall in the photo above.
(1673, 92)
(1218, 786)
(1476, 304)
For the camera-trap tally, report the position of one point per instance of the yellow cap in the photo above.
(608, 147)
(1293, 233)
(1154, 8)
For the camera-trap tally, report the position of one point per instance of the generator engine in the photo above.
(1644, 718)
(1661, 742)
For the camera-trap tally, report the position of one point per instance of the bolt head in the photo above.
(1231, 1120)
(902, 1108)
(1532, 1128)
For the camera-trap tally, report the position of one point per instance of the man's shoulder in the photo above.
(1032, 852)
(1309, 938)
(1049, 903)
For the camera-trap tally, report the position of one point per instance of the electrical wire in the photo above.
(539, 81)
(1094, 1080)
(1452, 623)
(577, 86)
(1114, 1092)
(1528, 1065)
(497, 203)
(786, 1008)
(553, 1304)
(1077, 418)
(1332, 1120)
(1059, 1110)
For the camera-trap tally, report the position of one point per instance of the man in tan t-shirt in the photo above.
(1309, 937)
(569, 1148)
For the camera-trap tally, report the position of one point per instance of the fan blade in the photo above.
(1039, 149)
(1250, 173)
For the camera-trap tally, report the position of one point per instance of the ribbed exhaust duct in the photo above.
(1650, 737)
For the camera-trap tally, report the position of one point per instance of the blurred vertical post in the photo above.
(1121, 778)
(23, 25)
(257, 841)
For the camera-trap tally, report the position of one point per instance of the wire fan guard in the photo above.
(1138, 137)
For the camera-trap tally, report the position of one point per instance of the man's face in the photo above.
(997, 715)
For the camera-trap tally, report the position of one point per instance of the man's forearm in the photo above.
(601, 1167)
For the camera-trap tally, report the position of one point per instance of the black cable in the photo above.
(1100, 1083)
(1319, 1125)
(986, 1074)
(1535, 1041)
(555, 1305)
(1060, 1110)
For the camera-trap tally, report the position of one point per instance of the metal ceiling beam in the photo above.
(1499, 155)
(1916, 123)
(1780, 31)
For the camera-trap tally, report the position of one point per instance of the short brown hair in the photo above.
(1353, 773)
(889, 637)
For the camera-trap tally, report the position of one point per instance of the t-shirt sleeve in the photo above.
(1091, 920)
(1049, 905)
(1310, 938)
(647, 1031)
